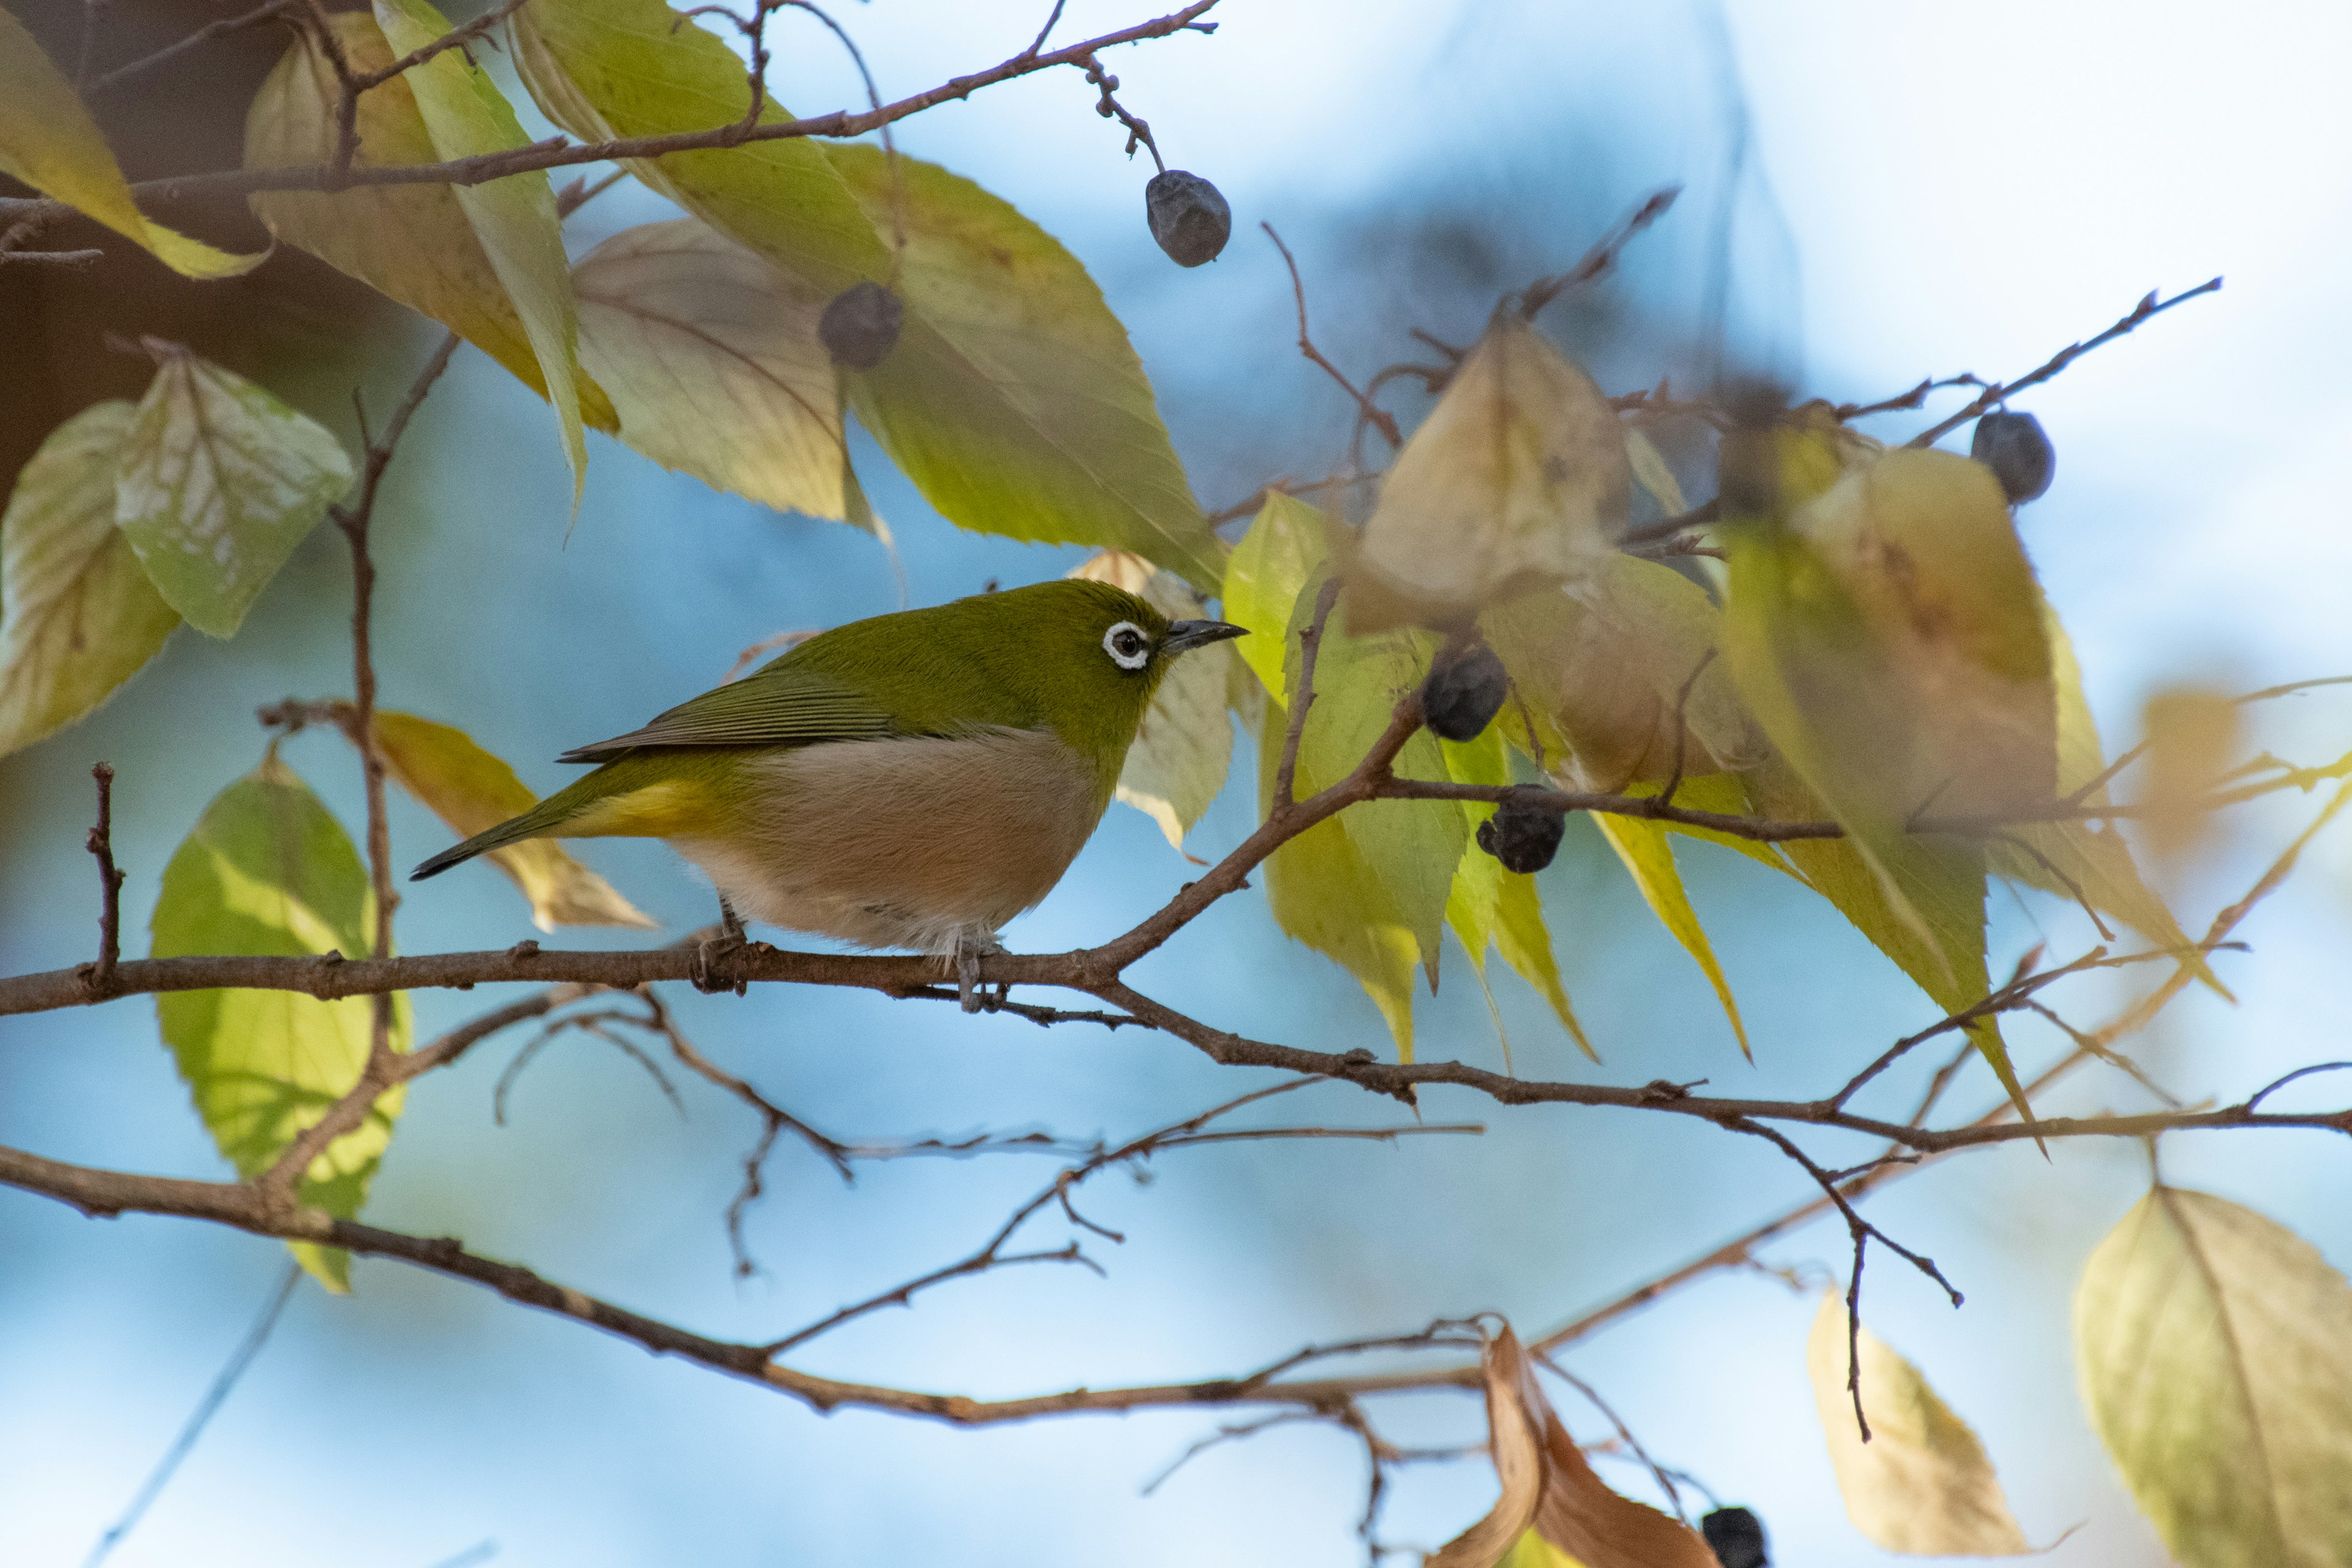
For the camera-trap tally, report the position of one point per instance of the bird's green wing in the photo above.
(785, 703)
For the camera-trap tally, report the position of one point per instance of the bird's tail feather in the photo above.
(637, 795)
(532, 824)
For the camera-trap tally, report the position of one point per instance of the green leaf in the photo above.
(1184, 747)
(1412, 847)
(78, 617)
(2215, 1352)
(1517, 480)
(219, 481)
(1284, 546)
(268, 872)
(1922, 1485)
(711, 358)
(1649, 857)
(413, 243)
(1013, 400)
(514, 217)
(49, 141)
(471, 790)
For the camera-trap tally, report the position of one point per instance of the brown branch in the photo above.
(1367, 411)
(1602, 257)
(97, 978)
(1995, 393)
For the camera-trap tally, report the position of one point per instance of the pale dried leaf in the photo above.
(1184, 747)
(77, 616)
(2191, 733)
(1922, 1485)
(1517, 480)
(2215, 1352)
(470, 790)
(1516, 1411)
(219, 481)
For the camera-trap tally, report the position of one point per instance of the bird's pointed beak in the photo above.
(1183, 636)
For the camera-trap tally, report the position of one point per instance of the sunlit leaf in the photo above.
(413, 243)
(1517, 480)
(219, 481)
(268, 872)
(470, 790)
(1922, 1485)
(514, 217)
(1649, 857)
(1184, 746)
(1489, 907)
(2215, 1352)
(77, 616)
(1013, 400)
(711, 358)
(49, 141)
(1285, 544)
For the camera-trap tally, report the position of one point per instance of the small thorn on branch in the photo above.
(97, 978)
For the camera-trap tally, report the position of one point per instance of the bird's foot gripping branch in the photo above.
(1841, 666)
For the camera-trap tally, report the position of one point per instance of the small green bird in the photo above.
(911, 780)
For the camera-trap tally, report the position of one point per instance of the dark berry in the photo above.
(2020, 456)
(1189, 216)
(1737, 1537)
(1464, 690)
(1524, 837)
(860, 327)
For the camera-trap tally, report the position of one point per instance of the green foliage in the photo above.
(514, 219)
(77, 616)
(2215, 1352)
(268, 872)
(1184, 747)
(218, 481)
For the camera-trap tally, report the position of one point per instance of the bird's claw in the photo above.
(709, 955)
(967, 961)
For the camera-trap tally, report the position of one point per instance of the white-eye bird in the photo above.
(910, 781)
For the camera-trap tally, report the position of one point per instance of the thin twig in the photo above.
(97, 978)
(1597, 261)
(203, 34)
(1310, 645)
(1368, 412)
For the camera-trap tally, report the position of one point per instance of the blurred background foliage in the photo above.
(1922, 192)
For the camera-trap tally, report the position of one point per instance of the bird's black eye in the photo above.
(1127, 646)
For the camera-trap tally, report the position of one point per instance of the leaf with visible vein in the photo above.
(268, 872)
(219, 481)
(77, 616)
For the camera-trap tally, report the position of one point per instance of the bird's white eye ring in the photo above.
(1127, 646)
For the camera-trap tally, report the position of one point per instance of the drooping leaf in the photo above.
(413, 243)
(267, 872)
(1013, 400)
(514, 217)
(711, 358)
(1922, 1485)
(78, 617)
(1548, 1488)
(219, 481)
(49, 141)
(1184, 746)
(1517, 480)
(1284, 546)
(1649, 857)
(470, 790)
(2215, 1353)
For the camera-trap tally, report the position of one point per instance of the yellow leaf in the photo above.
(1650, 858)
(1284, 546)
(49, 141)
(1517, 480)
(1922, 1485)
(413, 243)
(77, 616)
(2192, 735)
(1489, 907)
(1184, 746)
(2215, 1352)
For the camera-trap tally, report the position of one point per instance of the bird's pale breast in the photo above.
(908, 843)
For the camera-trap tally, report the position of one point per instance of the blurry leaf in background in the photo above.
(2075, 859)
(1490, 907)
(77, 616)
(413, 243)
(710, 356)
(1922, 1485)
(49, 141)
(2192, 733)
(1548, 1488)
(1649, 857)
(219, 481)
(2215, 1352)
(1184, 747)
(268, 872)
(470, 790)
(1517, 480)
(1284, 546)
(1013, 400)
(514, 217)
